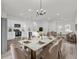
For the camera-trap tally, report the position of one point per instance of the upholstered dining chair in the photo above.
(17, 53)
(48, 34)
(38, 53)
(54, 33)
(59, 49)
(71, 37)
(51, 53)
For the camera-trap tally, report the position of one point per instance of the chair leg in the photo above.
(59, 55)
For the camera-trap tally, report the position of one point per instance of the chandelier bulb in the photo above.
(44, 10)
(37, 10)
(41, 9)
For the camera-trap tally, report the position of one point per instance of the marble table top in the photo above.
(36, 43)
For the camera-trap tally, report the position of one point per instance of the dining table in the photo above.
(35, 44)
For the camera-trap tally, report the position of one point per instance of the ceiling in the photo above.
(65, 9)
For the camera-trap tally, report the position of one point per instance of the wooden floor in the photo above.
(69, 51)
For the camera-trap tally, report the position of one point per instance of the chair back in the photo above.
(60, 44)
(59, 49)
(71, 37)
(17, 53)
(53, 51)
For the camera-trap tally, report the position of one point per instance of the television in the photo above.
(17, 25)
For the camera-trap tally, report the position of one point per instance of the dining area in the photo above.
(37, 48)
(41, 44)
(45, 47)
(38, 29)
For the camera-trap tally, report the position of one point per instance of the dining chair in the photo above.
(59, 49)
(38, 53)
(54, 33)
(53, 52)
(17, 53)
(48, 34)
(71, 37)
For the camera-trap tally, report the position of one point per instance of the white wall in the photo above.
(54, 26)
(47, 25)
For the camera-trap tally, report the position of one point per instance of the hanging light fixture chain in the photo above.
(40, 4)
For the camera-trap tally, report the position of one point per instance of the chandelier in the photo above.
(41, 11)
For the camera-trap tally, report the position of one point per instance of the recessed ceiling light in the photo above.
(60, 27)
(29, 10)
(58, 14)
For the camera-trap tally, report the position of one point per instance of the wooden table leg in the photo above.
(33, 54)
